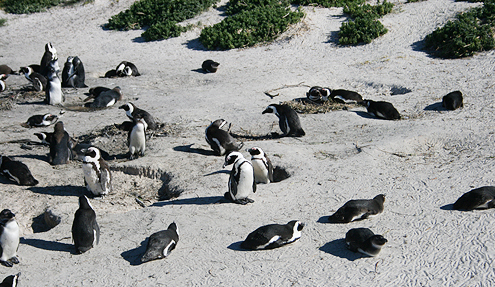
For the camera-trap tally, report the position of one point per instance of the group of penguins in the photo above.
(244, 176)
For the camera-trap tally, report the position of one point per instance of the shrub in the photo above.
(367, 10)
(327, 3)
(2, 22)
(236, 6)
(362, 29)
(163, 30)
(28, 6)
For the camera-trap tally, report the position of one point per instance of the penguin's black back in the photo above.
(383, 110)
(345, 94)
(476, 198)
(264, 234)
(18, 169)
(59, 146)
(287, 113)
(84, 227)
(452, 100)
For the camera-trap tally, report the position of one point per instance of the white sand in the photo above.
(422, 163)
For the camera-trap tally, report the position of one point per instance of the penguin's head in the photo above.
(26, 70)
(3, 77)
(127, 71)
(256, 151)
(271, 109)
(120, 69)
(92, 154)
(127, 107)
(76, 61)
(69, 60)
(84, 202)
(365, 103)
(378, 241)
(174, 227)
(232, 157)
(59, 127)
(218, 123)
(380, 198)
(297, 227)
(51, 118)
(6, 215)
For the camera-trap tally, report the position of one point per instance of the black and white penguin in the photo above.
(44, 137)
(16, 171)
(95, 92)
(9, 238)
(73, 73)
(97, 176)
(345, 96)
(365, 241)
(220, 140)
(132, 112)
(382, 110)
(3, 86)
(358, 209)
(318, 94)
(49, 56)
(41, 120)
(60, 145)
(137, 138)
(53, 91)
(85, 229)
(273, 235)
(127, 69)
(38, 80)
(478, 198)
(262, 166)
(161, 243)
(11, 280)
(241, 180)
(105, 99)
(4, 69)
(288, 120)
(452, 100)
(210, 66)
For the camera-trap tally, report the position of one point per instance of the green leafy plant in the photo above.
(327, 3)
(374, 11)
(33, 6)
(2, 22)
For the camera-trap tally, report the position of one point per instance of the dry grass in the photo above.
(305, 106)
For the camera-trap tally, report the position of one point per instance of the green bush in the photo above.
(362, 29)
(327, 3)
(471, 32)
(249, 27)
(28, 6)
(2, 22)
(163, 30)
(367, 10)
(236, 6)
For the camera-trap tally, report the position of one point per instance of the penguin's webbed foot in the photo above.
(14, 260)
(244, 201)
(6, 263)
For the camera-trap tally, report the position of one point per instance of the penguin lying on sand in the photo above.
(9, 238)
(16, 171)
(105, 98)
(478, 198)
(318, 94)
(241, 180)
(273, 235)
(358, 209)
(453, 100)
(210, 66)
(345, 96)
(39, 81)
(40, 121)
(364, 241)
(161, 243)
(127, 69)
(382, 110)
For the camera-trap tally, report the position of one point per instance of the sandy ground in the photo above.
(423, 162)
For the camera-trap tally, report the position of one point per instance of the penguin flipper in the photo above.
(96, 228)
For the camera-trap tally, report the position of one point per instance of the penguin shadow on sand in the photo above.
(190, 149)
(447, 207)
(236, 246)
(48, 245)
(207, 200)
(64, 190)
(338, 248)
(365, 115)
(134, 255)
(435, 107)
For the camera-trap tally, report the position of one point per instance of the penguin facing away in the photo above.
(220, 140)
(60, 145)
(358, 209)
(478, 198)
(363, 240)
(97, 176)
(161, 243)
(346, 97)
(273, 235)
(9, 238)
(85, 229)
(11, 280)
(41, 120)
(318, 94)
(137, 138)
(132, 112)
(17, 171)
(288, 120)
(39, 81)
(262, 166)
(452, 100)
(381, 109)
(210, 66)
(241, 180)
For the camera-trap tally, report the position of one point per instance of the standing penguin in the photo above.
(345, 96)
(60, 145)
(452, 100)
(11, 280)
(16, 171)
(132, 112)
(49, 56)
(137, 138)
(38, 80)
(288, 120)
(105, 99)
(97, 175)
(161, 243)
(210, 66)
(382, 110)
(241, 180)
(478, 198)
(9, 238)
(85, 229)
(358, 209)
(262, 166)
(273, 235)
(220, 140)
(40, 121)
(318, 94)
(73, 73)
(127, 69)
(365, 241)
(53, 91)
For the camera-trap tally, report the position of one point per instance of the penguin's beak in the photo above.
(265, 111)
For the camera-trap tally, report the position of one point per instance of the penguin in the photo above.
(273, 235)
(262, 166)
(44, 137)
(97, 176)
(318, 94)
(382, 110)
(105, 98)
(288, 120)
(346, 97)
(161, 243)
(11, 280)
(478, 198)
(38, 80)
(85, 229)
(73, 74)
(137, 138)
(41, 120)
(132, 111)
(220, 140)
(49, 56)
(95, 92)
(2, 82)
(60, 145)
(210, 66)
(53, 91)
(452, 100)
(9, 238)
(110, 74)
(241, 180)
(16, 171)
(4, 69)
(126, 69)
(364, 241)
(358, 209)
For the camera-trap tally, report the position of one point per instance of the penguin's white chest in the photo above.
(245, 184)
(260, 171)
(92, 180)
(9, 240)
(55, 92)
(137, 142)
